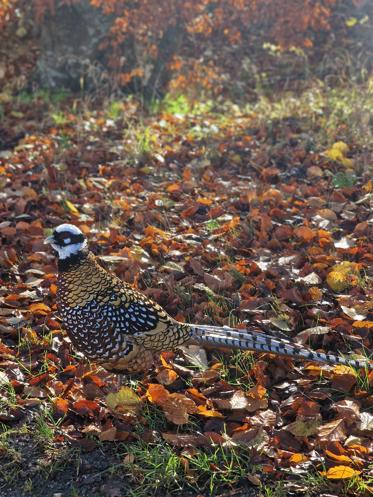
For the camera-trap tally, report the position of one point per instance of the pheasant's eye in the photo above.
(65, 238)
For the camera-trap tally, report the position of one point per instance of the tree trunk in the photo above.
(70, 56)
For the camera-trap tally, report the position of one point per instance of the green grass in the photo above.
(30, 446)
(158, 469)
(235, 368)
(327, 111)
(8, 398)
(45, 427)
(343, 180)
(278, 490)
(51, 97)
(154, 416)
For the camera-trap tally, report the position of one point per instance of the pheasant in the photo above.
(119, 327)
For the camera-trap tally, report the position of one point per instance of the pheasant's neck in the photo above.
(73, 261)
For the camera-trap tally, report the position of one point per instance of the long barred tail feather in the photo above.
(249, 340)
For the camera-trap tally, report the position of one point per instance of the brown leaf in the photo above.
(304, 335)
(167, 376)
(255, 437)
(304, 427)
(178, 407)
(264, 418)
(108, 435)
(186, 440)
(344, 378)
(347, 409)
(332, 431)
(196, 266)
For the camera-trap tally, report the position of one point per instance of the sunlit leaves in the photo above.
(340, 472)
(338, 153)
(343, 275)
(125, 400)
(176, 406)
(217, 238)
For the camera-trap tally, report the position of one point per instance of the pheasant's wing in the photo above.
(134, 314)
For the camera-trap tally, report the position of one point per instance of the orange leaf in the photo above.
(340, 473)
(204, 201)
(60, 406)
(196, 394)
(257, 392)
(39, 378)
(53, 289)
(209, 413)
(358, 448)
(85, 407)
(11, 297)
(362, 324)
(304, 233)
(157, 394)
(174, 187)
(298, 458)
(39, 308)
(338, 457)
(152, 231)
(187, 174)
(95, 379)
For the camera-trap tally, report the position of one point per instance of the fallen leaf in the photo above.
(365, 425)
(178, 407)
(167, 376)
(157, 394)
(108, 435)
(71, 208)
(304, 427)
(353, 313)
(39, 308)
(340, 473)
(304, 233)
(304, 335)
(209, 413)
(298, 458)
(85, 407)
(332, 431)
(60, 407)
(343, 276)
(186, 440)
(338, 457)
(126, 400)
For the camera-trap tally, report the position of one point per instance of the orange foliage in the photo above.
(193, 43)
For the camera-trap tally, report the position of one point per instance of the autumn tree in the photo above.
(153, 46)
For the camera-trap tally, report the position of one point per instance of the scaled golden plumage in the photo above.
(117, 326)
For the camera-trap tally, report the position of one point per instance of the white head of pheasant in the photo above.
(67, 240)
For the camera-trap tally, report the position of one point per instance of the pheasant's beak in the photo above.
(49, 240)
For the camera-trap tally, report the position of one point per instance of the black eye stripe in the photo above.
(67, 238)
